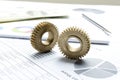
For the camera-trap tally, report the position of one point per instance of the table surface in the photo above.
(95, 2)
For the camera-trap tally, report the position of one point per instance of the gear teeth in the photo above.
(82, 35)
(37, 33)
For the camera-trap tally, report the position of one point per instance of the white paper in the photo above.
(21, 10)
(22, 30)
(19, 60)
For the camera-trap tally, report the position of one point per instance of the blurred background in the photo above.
(95, 2)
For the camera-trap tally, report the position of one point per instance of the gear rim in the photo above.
(37, 34)
(65, 48)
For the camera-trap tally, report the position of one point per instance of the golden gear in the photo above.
(37, 34)
(67, 50)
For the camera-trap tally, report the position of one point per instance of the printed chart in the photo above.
(95, 68)
(22, 29)
(89, 68)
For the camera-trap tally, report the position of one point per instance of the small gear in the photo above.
(37, 34)
(69, 51)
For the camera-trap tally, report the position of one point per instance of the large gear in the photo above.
(67, 50)
(37, 34)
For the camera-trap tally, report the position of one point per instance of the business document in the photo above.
(20, 61)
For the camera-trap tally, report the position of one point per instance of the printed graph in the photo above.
(95, 68)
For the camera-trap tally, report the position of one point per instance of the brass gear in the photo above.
(67, 50)
(37, 34)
